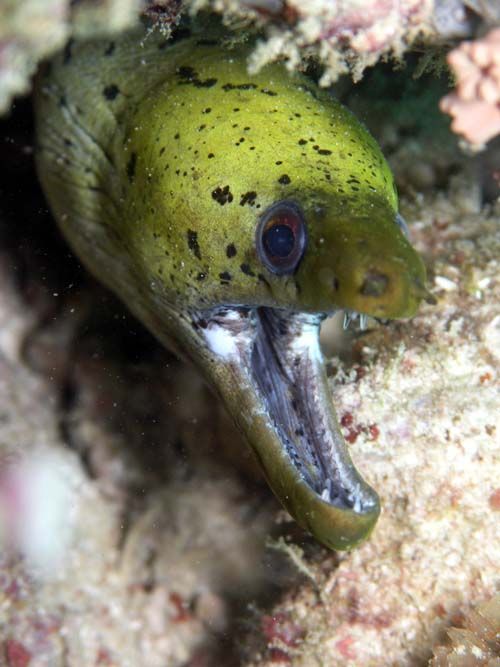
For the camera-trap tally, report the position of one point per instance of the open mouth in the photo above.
(277, 392)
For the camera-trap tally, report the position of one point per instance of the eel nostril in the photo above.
(374, 284)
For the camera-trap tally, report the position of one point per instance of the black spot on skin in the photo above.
(266, 91)
(231, 250)
(192, 239)
(131, 164)
(162, 150)
(324, 151)
(222, 195)
(210, 156)
(180, 33)
(185, 72)
(248, 198)
(110, 49)
(225, 275)
(188, 76)
(67, 55)
(207, 110)
(302, 142)
(284, 180)
(263, 279)
(201, 128)
(278, 162)
(245, 268)
(238, 86)
(111, 92)
(201, 276)
(176, 136)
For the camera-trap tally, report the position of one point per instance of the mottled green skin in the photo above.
(255, 148)
(158, 163)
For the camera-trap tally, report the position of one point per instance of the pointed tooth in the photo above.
(362, 322)
(347, 319)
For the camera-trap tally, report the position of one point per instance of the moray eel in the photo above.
(231, 213)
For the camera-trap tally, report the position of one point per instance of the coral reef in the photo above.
(132, 529)
(476, 642)
(159, 546)
(417, 405)
(34, 29)
(475, 105)
(418, 409)
(28, 32)
(102, 562)
(345, 36)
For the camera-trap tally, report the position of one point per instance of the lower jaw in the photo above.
(271, 377)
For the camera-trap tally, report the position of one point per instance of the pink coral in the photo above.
(475, 104)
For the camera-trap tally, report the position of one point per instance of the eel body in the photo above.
(231, 213)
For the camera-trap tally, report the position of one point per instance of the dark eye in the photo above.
(282, 237)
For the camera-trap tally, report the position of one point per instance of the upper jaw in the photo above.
(268, 367)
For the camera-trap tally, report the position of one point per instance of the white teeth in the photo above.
(352, 316)
(347, 319)
(327, 491)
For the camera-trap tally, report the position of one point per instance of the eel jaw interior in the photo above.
(268, 367)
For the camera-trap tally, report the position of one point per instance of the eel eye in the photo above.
(282, 237)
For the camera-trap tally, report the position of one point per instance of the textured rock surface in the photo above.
(160, 549)
(476, 643)
(32, 30)
(346, 36)
(420, 408)
(127, 537)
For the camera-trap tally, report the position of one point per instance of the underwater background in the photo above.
(134, 527)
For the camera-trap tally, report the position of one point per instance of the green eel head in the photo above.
(255, 207)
